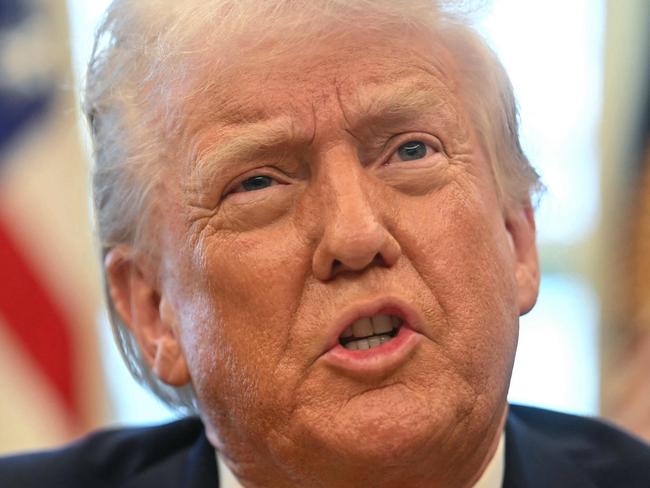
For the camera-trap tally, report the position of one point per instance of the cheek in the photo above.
(257, 280)
(247, 288)
(460, 250)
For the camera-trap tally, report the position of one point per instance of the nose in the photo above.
(354, 236)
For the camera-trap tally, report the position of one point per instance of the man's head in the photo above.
(274, 176)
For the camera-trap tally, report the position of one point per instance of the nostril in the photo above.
(339, 266)
(378, 260)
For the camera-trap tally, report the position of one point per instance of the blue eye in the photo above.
(412, 150)
(258, 182)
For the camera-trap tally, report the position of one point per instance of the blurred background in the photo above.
(581, 72)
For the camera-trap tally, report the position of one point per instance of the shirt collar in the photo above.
(492, 477)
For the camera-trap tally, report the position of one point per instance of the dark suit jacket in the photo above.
(543, 450)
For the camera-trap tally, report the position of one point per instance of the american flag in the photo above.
(49, 371)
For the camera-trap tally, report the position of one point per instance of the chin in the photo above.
(380, 449)
(390, 442)
(386, 428)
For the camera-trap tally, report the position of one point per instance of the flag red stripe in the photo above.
(35, 319)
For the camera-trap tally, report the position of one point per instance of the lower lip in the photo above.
(382, 359)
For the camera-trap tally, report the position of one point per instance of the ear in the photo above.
(520, 224)
(146, 313)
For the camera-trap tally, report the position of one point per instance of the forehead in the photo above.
(350, 73)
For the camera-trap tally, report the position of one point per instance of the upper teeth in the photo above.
(370, 326)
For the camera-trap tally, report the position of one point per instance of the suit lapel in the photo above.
(195, 467)
(200, 469)
(534, 462)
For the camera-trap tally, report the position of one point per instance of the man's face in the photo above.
(332, 189)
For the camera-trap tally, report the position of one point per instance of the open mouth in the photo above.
(369, 332)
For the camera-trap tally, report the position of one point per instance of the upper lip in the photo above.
(383, 305)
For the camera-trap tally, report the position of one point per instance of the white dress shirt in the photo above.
(492, 477)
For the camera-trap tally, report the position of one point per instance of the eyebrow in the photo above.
(382, 107)
(372, 110)
(247, 141)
